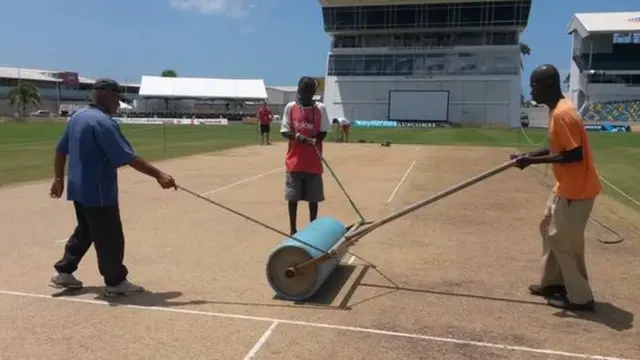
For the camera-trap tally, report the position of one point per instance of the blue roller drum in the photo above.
(323, 233)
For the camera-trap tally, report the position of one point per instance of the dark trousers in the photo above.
(101, 226)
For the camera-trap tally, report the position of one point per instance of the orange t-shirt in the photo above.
(579, 180)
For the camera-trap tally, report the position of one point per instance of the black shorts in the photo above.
(301, 186)
(265, 129)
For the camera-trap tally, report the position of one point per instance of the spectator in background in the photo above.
(345, 125)
(335, 126)
(265, 116)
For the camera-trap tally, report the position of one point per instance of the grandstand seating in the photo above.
(612, 111)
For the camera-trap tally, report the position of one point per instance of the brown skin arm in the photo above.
(564, 157)
(144, 167)
(540, 152)
(59, 163)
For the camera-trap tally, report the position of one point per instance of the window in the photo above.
(504, 14)
(407, 17)
(469, 39)
(375, 17)
(502, 38)
(358, 65)
(327, 18)
(373, 65)
(403, 65)
(428, 16)
(343, 65)
(388, 65)
(344, 18)
(470, 15)
(331, 66)
(423, 64)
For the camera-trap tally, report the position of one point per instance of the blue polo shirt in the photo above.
(96, 148)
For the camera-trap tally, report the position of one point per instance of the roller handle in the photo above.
(356, 235)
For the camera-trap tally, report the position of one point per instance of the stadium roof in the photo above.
(34, 74)
(284, 88)
(182, 87)
(605, 23)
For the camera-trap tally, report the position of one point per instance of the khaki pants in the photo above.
(563, 259)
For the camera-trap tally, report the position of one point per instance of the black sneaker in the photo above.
(547, 290)
(564, 303)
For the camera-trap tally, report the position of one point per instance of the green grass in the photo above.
(26, 150)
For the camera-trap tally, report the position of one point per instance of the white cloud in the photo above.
(231, 8)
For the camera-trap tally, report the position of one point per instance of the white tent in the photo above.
(202, 88)
(125, 106)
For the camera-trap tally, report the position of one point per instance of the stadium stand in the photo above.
(612, 111)
(605, 66)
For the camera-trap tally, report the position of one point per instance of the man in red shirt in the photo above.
(305, 123)
(265, 116)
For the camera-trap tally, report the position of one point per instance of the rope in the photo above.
(607, 182)
(620, 238)
(254, 220)
(335, 177)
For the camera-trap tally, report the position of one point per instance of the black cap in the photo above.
(107, 84)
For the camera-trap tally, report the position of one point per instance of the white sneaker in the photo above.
(124, 288)
(65, 281)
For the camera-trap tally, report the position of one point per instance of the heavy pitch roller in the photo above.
(326, 234)
(296, 272)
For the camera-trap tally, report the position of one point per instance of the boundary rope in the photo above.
(591, 218)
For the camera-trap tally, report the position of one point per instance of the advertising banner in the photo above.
(156, 121)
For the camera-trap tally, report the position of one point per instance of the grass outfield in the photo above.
(26, 150)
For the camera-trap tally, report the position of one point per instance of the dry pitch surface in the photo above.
(457, 270)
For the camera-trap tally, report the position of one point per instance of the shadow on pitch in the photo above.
(327, 294)
(324, 299)
(606, 314)
(393, 289)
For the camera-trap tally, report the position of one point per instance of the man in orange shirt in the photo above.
(264, 117)
(564, 278)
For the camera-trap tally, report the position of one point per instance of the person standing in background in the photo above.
(345, 126)
(335, 128)
(265, 116)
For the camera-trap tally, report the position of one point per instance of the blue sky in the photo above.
(277, 40)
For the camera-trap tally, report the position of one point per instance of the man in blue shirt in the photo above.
(96, 148)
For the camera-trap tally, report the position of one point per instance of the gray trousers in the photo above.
(300, 186)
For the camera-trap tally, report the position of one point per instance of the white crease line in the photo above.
(318, 325)
(242, 181)
(353, 258)
(263, 339)
(220, 189)
(404, 178)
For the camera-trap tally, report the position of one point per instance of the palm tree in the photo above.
(168, 73)
(23, 95)
(525, 50)
(567, 81)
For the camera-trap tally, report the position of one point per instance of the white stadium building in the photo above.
(605, 66)
(407, 61)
